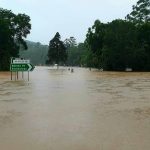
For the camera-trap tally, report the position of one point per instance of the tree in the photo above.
(114, 46)
(13, 29)
(57, 51)
(140, 12)
(143, 36)
(76, 54)
(94, 42)
(37, 53)
(119, 44)
(70, 42)
(140, 16)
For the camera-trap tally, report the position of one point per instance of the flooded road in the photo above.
(84, 110)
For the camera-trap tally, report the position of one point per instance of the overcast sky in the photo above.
(68, 17)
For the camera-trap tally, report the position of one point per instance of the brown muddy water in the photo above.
(83, 110)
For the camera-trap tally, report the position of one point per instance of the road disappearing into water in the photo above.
(83, 110)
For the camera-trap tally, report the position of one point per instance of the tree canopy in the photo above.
(121, 44)
(57, 51)
(13, 29)
(140, 12)
(116, 45)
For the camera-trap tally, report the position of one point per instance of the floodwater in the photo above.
(83, 110)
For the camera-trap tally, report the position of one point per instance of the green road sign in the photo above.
(21, 67)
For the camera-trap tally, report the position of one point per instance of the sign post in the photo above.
(21, 65)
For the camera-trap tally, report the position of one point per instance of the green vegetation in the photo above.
(116, 45)
(13, 29)
(121, 44)
(57, 51)
(76, 55)
(140, 13)
(76, 52)
(36, 52)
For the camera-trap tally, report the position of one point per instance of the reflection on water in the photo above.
(84, 110)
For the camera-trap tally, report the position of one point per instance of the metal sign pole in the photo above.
(11, 59)
(28, 75)
(15, 75)
(11, 75)
(22, 75)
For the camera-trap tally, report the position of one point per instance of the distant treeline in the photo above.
(36, 52)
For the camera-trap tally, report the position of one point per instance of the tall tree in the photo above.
(76, 54)
(143, 36)
(119, 45)
(57, 51)
(13, 29)
(94, 41)
(140, 12)
(70, 42)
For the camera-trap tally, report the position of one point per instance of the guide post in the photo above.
(20, 65)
